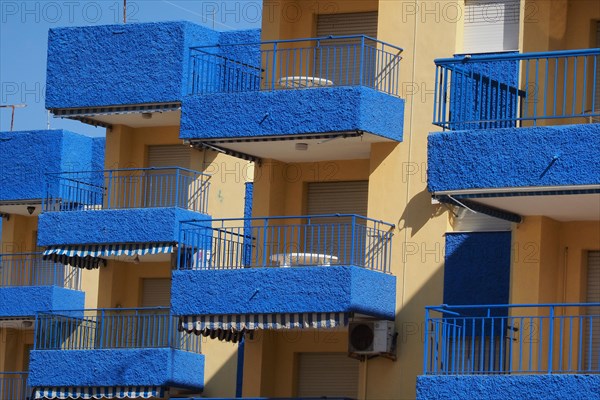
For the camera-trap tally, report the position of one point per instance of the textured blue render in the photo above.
(477, 268)
(126, 64)
(116, 367)
(288, 112)
(514, 157)
(120, 64)
(25, 301)
(284, 290)
(25, 158)
(482, 92)
(137, 225)
(503, 387)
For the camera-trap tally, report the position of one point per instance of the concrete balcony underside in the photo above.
(545, 170)
(335, 122)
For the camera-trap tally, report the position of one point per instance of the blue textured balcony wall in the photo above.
(510, 89)
(481, 92)
(502, 387)
(319, 289)
(25, 158)
(137, 225)
(13, 385)
(514, 157)
(114, 347)
(289, 112)
(25, 301)
(153, 55)
(531, 339)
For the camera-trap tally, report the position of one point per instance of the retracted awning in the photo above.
(93, 256)
(229, 327)
(117, 392)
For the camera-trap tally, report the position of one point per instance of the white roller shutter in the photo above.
(327, 375)
(593, 296)
(169, 156)
(156, 292)
(491, 26)
(338, 60)
(338, 198)
(364, 23)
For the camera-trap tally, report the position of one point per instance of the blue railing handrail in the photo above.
(494, 340)
(32, 270)
(486, 91)
(129, 170)
(327, 239)
(112, 328)
(284, 217)
(14, 373)
(83, 310)
(511, 56)
(315, 39)
(443, 307)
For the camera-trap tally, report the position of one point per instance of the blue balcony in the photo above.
(519, 130)
(99, 351)
(142, 70)
(511, 351)
(304, 90)
(309, 271)
(128, 212)
(29, 284)
(26, 156)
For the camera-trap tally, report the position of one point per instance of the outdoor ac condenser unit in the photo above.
(371, 338)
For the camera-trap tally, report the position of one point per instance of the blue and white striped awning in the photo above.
(92, 256)
(117, 392)
(205, 323)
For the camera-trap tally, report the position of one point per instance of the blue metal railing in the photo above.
(127, 188)
(355, 60)
(515, 338)
(336, 239)
(514, 90)
(13, 386)
(118, 328)
(30, 269)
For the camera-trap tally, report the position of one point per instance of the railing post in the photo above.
(274, 66)
(362, 59)
(177, 187)
(353, 239)
(108, 189)
(426, 344)
(551, 340)
(266, 223)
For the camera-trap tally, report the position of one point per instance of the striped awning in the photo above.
(210, 325)
(117, 392)
(93, 256)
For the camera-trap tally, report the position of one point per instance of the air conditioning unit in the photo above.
(371, 338)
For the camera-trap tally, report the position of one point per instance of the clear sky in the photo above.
(24, 32)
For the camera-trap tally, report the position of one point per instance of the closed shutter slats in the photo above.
(156, 292)
(327, 374)
(491, 26)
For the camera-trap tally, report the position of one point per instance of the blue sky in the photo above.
(23, 43)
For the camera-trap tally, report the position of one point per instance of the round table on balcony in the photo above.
(286, 260)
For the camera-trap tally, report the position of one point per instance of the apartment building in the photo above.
(382, 254)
